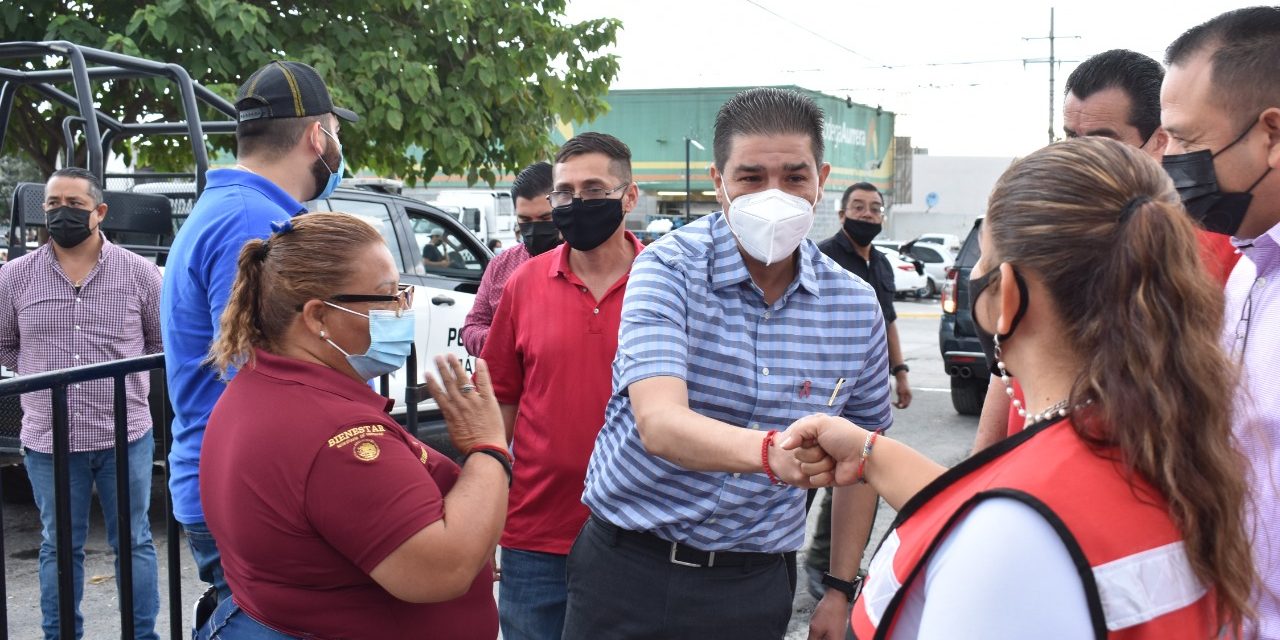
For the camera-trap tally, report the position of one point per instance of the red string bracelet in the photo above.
(866, 453)
(764, 457)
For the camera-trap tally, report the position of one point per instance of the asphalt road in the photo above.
(929, 424)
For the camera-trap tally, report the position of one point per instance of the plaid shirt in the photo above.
(45, 324)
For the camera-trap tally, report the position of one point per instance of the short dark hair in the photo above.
(95, 187)
(271, 138)
(1245, 47)
(857, 186)
(1138, 76)
(533, 181)
(594, 142)
(767, 111)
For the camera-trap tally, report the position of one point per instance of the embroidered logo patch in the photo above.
(422, 454)
(356, 433)
(366, 451)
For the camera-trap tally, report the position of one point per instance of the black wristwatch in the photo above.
(902, 367)
(848, 588)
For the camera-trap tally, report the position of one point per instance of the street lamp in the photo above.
(688, 190)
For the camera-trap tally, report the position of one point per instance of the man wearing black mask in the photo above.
(536, 234)
(550, 352)
(1221, 108)
(75, 301)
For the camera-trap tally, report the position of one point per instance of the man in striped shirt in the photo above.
(733, 327)
(81, 300)
(1221, 109)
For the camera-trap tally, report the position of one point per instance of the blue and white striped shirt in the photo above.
(691, 311)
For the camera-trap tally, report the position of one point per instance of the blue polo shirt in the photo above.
(236, 206)
(692, 312)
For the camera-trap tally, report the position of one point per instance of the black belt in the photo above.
(680, 554)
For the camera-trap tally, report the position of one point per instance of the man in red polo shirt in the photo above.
(550, 350)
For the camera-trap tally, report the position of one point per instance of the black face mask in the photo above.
(861, 231)
(986, 339)
(539, 237)
(1197, 183)
(68, 226)
(586, 224)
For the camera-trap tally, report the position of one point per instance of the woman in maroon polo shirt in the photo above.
(333, 521)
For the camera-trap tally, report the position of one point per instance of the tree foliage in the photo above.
(466, 87)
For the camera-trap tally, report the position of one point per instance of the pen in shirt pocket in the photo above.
(832, 400)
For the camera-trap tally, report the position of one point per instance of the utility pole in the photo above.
(1053, 63)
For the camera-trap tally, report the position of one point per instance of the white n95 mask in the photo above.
(769, 224)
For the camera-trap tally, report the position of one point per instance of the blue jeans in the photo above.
(229, 622)
(208, 559)
(532, 595)
(87, 470)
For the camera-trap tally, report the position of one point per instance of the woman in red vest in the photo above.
(1116, 513)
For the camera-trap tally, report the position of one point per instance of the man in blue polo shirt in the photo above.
(288, 153)
(733, 327)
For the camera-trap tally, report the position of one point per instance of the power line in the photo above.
(809, 31)
(942, 64)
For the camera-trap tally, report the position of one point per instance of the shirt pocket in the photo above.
(821, 395)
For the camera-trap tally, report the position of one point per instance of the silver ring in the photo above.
(467, 388)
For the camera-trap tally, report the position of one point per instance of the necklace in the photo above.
(1060, 409)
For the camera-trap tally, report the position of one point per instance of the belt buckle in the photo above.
(675, 546)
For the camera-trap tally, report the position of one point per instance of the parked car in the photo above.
(937, 262)
(962, 356)
(896, 245)
(950, 242)
(908, 275)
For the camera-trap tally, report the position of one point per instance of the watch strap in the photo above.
(849, 588)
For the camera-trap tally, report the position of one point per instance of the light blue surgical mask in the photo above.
(335, 175)
(390, 339)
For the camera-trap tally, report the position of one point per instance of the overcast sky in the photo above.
(980, 108)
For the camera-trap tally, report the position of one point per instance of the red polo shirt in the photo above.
(307, 485)
(1218, 254)
(550, 352)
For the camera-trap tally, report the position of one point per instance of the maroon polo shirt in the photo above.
(307, 484)
(550, 352)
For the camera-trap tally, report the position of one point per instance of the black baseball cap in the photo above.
(285, 89)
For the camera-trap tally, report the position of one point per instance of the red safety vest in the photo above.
(1138, 582)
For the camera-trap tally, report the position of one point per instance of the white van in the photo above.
(488, 213)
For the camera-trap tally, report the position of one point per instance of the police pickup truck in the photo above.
(147, 209)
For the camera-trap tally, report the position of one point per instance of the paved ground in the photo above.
(930, 424)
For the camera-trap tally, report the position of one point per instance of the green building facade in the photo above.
(655, 123)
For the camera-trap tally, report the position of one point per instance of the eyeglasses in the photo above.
(858, 207)
(404, 296)
(563, 198)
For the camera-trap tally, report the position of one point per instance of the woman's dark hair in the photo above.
(277, 275)
(1140, 309)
